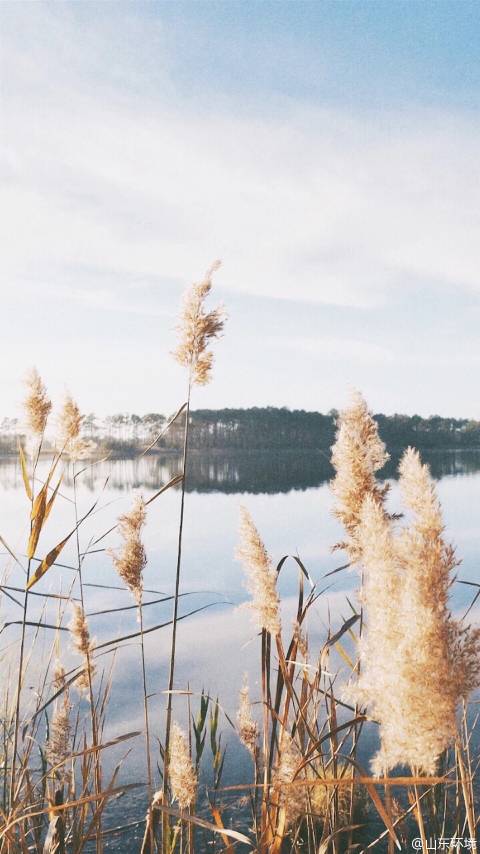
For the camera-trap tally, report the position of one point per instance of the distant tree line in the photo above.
(285, 429)
(260, 428)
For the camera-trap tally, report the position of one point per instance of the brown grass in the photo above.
(410, 665)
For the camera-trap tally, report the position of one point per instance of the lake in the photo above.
(289, 498)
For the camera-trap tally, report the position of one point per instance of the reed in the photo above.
(72, 443)
(417, 661)
(37, 407)
(197, 328)
(357, 455)
(399, 662)
(130, 562)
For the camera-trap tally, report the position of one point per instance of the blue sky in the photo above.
(327, 152)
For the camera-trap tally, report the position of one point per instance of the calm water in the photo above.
(289, 499)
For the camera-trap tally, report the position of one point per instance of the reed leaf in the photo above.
(68, 805)
(38, 514)
(200, 822)
(229, 849)
(333, 640)
(23, 466)
(164, 429)
(344, 654)
(47, 562)
(173, 482)
(52, 498)
(52, 555)
(11, 552)
(154, 628)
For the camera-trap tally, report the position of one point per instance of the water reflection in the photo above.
(255, 472)
(290, 500)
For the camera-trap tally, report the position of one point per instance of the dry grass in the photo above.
(410, 666)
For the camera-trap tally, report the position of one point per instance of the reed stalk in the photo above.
(197, 328)
(24, 622)
(308, 788)
(173, 644)
(91, 698)
(130, 563)
(149, 826)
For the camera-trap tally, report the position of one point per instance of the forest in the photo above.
(258, 428)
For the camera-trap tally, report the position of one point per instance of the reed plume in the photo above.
(301, 642)
(37, 405)
(441, 658)
(59, 739)
(197, 328)
(183, 779)
(70, 420)
(380, 646)
(358, 453)
(417, 662)
(57, 752)
(130, 563)
(247, 726)
(83, 644)
(322, 797)
(291, 798)
(70, 423)
(131, 560)
(261, 578)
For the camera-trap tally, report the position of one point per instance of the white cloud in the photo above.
(303, 202)
(120, 184)
(332, 349)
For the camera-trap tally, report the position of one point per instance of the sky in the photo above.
(326, 152)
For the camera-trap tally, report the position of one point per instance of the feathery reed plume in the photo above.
(197, 328)
(321, 796)
(291, 798)
(247, 726)
(151, 824)
(70, 423)
(130, 563)
(380, 680)
(83, 644)
(131, 560)
(70, 420)
(261, 578)
(417, 662)
(37, 405)
(59, 740)
(301, 641)
(441, 659)
(357, 454)
(301, 800)
(183, 779)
